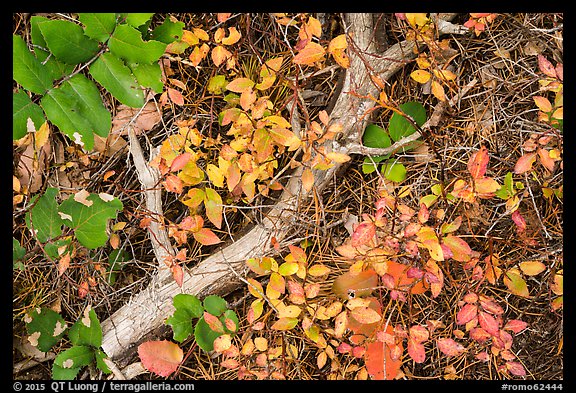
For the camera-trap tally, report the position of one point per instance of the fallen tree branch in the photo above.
(218, 273)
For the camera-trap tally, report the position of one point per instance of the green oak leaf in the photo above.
(27, 69)
(89, 222)
(67, 42)
(87, 330)
(127, 43)
(64, 374)
(23, 109)
(98, 26)
(68, 363)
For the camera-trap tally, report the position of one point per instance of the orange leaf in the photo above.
(438, 91)
(416, 351)
(222, 343)
(338, 43)
(338, 157)
(223, 17)
(247, 98)
(180, 161)
(198, 54)
(542, 103)
(360, 284)
(307, 179)
(419, 333)
(63, 264)
(177, 273)
(524, 163)
(240, 85)
(160, 357)
(379, 363)
(545, 159)
(175, 96)
(213, 322)
(532, 268)
(318, 270)
(220, 55)
(206, 237)
(546, 66)
(478, 163)
(233, 37)
(486, 186)
(173, 184)
(310, 54)
(515, 325)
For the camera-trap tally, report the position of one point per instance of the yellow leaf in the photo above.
(318, 270)
(215, 175)
(261, 343)
(233, 37)
(542, 103)
(189, 37)
(365, 315)
(558, 113)
(516, 283)
(310, 54)
(285, 323)
(444, 74)
(420, 76)
(338, 43)
(417, 19)
(423, 62)
(338, 157)
(41, 136)
(201, 34)
(240, 85)
(438, 91)
(198, 54)
(532, 268)
(290, 311)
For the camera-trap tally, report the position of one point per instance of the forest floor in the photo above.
(499, 113)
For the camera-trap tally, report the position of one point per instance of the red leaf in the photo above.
(488, 323)
(206, 237)
(516, 325)
(466, 314)
(379, 362)
(363, 234)
(519, 221)
(192, 223)
(479, 334)
(160, 357)
(491, 306)
(449, 347)
(461, 251)
(516, 368)
(419, 333)
(416, 351)
(478, 163)
(180, 161)
(546, 66)
(173, 184)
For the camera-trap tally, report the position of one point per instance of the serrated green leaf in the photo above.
(168, 31)
(64, 374)
(116, 77)
(43, 218)
(89, 222)
(215, 305)
(127, 43)
(100, 363)
(66, 112)
(205, 336)
(400, 127)
(394, 171)
(187, 307)
(23, 109)
(67, 42)
(98, 26)
(27, 69)
(148, 75)
(86, 331)
(45, 327)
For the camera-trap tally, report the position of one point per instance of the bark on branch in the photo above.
(217, 274)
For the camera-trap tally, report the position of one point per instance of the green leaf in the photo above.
(375, 136)
(217, 84)
(18, 251)
(127, 43)
(64, 374)
(187, 307)
(67, 42)
(23, 109)
(148, 75)
(76, 357)
(56, 68)
(89, 222)
(116, 262)
(98, 26)
(215, 305)
(137, 19)
(168, 31)
(368, 166)
(400, 127)
(45, 327)
(394, 171)
(51, 248)
(100, 356)
(230, 314)
(90, 103)
(117, 78)
(27, 69)
(204, 335)
(66, 112)
(507, 190)
(43, 218)
(86, 331)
